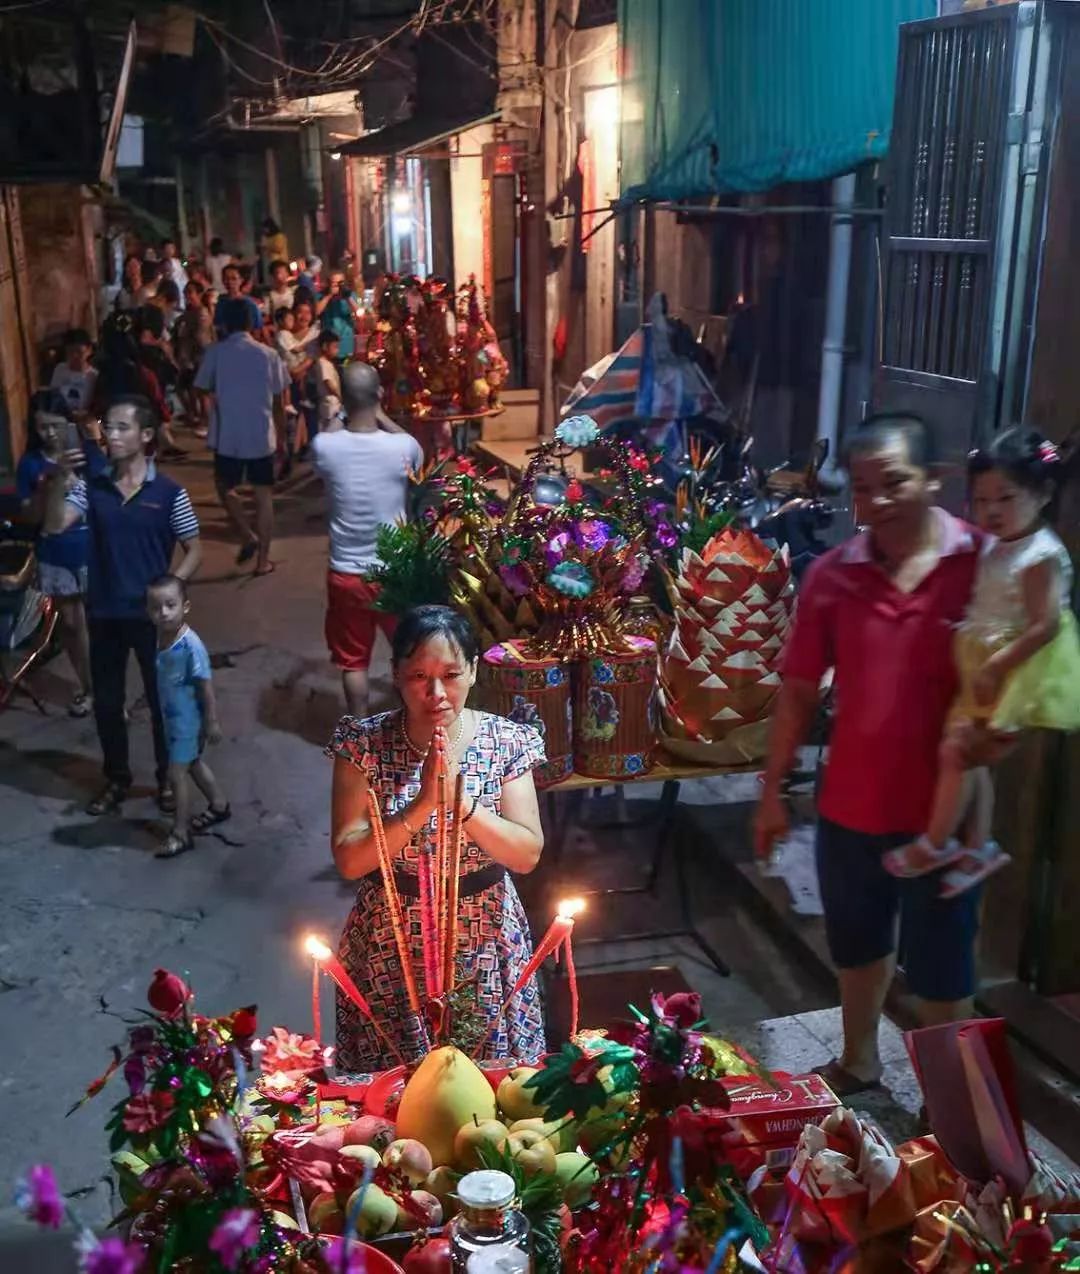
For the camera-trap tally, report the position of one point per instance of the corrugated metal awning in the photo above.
(742, 95)
(412, 136)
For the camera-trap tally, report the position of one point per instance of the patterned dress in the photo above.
(493, 944)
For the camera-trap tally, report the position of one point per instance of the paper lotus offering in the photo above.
(721, 671)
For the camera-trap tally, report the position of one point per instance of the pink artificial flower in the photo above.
(38, 1195)
(236, 1232)
(682, 1010)
(293, 1054)
(147, 1111)
(111, 1256)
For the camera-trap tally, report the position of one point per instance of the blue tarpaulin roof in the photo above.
(741, 95)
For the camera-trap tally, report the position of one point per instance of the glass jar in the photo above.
(489, 1224)
(643, 619)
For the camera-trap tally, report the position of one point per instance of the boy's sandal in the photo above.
(175, 845)
(108, 800)
(79, 705)
(973, 868)
(920, 858)
(210, 817)
(843, 1083)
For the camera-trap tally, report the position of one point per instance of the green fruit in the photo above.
(469, 1139)
(562, 1133)
(515, 1100)
(576, 1175)
(446, 1092)
(378, 1212)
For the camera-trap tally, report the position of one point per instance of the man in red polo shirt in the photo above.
(880, 610)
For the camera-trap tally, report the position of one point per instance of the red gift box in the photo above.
(765, 1122)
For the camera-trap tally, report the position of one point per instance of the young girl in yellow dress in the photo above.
(1017, 654)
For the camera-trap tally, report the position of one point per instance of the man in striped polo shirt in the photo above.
(137, 518)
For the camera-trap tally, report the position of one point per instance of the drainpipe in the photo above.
(833, 347)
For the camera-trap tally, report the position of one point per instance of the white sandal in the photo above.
(898, 862)
(975, 866)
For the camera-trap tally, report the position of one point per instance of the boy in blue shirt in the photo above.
(189, 712)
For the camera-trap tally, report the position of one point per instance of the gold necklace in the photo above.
(422, 752)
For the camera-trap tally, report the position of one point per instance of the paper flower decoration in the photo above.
(38, 1196)
(291, 1054)
(577, 431)
(572, 579)
(592, 534)
(236, 1232)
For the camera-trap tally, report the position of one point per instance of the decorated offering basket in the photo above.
(533, 690)
(615, 725)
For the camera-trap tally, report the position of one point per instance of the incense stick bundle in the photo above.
(441, 822)
(452, 883)
(393, 899)
(429, 924)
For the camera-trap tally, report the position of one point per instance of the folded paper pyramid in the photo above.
(721, 670)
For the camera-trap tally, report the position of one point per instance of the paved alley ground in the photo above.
(87, 912)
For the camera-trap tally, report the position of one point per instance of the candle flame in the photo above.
(316, 948)
(570, 907)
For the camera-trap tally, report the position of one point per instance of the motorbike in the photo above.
(28, 618)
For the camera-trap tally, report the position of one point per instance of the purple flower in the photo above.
(666, 535)
(142, 1040)
(237, 1231)
(38, 1195)
(592, 534)
(633, 575)
(110, 1256)
(135, 1073)
(555, 548)
(517, 579)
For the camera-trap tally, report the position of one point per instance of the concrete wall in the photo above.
(62, 273)
(580, 283)
(466, 180)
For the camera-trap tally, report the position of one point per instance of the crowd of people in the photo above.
(261, 374)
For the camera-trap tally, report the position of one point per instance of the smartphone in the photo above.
(71, 436)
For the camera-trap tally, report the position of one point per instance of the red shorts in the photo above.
(351, 620)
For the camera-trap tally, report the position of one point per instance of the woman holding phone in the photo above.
(61, 558)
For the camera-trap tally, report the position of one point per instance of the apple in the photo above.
(378, 1212)
(410, 1158)
(442, 1183)
(532, 1150)
(576, 1175)
(325, 1215)
(361, 1156)
(562, 1133)
(515, 1101)
(428, 1205)
(480, 1132)
(369, 1130)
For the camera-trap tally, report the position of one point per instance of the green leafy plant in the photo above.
(413, 569)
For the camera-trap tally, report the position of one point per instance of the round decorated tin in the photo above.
(615, 712)
(533, 692)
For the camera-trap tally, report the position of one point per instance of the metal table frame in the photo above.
(570, 794)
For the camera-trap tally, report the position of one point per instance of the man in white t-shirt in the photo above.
(245, 382)
(216, 261)
(365, 468)
(75, 378)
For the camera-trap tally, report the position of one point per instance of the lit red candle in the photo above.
(324, 957)
(559, 932)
